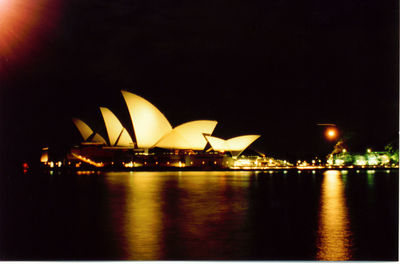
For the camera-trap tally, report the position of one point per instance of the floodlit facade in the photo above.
(189, 135)
(118, 136)
(235, 145)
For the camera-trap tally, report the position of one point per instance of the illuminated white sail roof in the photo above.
(117, 134)
(149, 124)
(236, 144)
(217, 144)
(188, 135)
(125, 140)
(86, 131)
(98, 138)
(83, 128)
(241, 143)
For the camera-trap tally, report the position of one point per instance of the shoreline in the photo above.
(175, 169)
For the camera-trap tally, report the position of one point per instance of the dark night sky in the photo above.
(275, 68)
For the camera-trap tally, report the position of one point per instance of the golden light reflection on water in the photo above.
(143, 219)
(140, 215)
(202, 211)
(334, 234)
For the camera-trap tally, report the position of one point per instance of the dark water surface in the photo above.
(232, 215)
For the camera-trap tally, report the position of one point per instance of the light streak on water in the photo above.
(139, 213)
(334, 234)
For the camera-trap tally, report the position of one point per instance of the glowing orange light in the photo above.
(331, 133)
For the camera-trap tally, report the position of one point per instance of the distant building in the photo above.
(369, 158)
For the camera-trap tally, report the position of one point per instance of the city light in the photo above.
(89, 161)
(129, 165)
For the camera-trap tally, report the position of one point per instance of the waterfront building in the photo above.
(155, 142)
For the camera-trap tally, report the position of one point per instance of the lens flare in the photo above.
(22, 24)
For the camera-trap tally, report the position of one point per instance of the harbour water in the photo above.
(224, 215)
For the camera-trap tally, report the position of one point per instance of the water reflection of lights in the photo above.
(139, 213)
(334, 234)
(143, 222)
(203, 210)
(87, 172)
(370, 177)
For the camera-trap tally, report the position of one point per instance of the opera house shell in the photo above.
(235, 145)
(152, 130)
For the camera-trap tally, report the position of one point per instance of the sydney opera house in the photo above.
(154, 142)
